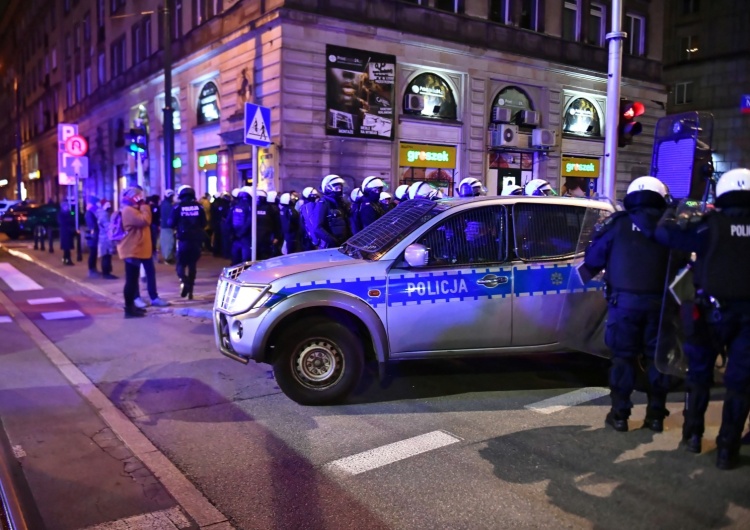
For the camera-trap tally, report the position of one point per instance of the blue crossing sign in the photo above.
(257, 125)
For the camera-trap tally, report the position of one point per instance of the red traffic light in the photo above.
(627, 126)
(631, 109)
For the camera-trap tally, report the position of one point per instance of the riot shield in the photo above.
(678, 302)
(583, 315)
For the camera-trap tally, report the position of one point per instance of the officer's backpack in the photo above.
(116, 231)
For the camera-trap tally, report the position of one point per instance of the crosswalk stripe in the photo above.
(567, 400)
(59, 315)
(17, 280)
(5, 319)
(388, 454)
(41, 301)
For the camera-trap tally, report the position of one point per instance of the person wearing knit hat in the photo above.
(92, 234)
(136, 251)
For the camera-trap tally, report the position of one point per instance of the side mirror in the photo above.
(416, 255)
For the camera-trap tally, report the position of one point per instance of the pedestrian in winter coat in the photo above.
(67, 224)
(135, 250)
(167, 234)
(106, 247)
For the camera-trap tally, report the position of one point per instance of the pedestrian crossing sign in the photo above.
(257, 125)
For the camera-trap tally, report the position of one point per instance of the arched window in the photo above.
(430, 96)
(582, 119)
(208, 103)
(510, 105)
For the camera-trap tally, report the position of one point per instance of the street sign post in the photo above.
(257, 133)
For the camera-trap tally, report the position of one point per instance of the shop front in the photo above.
(582, 143)
(434, 164)
(580, 176)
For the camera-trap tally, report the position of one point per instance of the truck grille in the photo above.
(226, 293)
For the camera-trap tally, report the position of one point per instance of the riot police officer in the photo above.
(307, 218)
(386, 201)
(471, 187)
(721, 314)
(371, 210)
(356, 198)
(275, 208)
(189, 223)
(422, 190)
(331, 216)
(636, 270)
(511, 190)
(268, 227)
(219, 208)
(538, 187)
(290, 220)
(401, 194)
(240, 220)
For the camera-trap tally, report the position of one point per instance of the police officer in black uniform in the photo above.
(371, 210)
(219, 208)
(355, 197)
(290, 221)
(331, 215)
(636, 270)
(240, 220)
(721, 241)
(189, 223)
(471, 187)
(308, 238)
(268, 229)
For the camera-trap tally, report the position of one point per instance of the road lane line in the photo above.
(17, 280)
(41, 301)
(174, 481)
(5, 320)
(570, 399)
(60, 315)
(163, 519)
(388, 454)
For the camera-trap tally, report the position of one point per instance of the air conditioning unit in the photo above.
(543, 138)
(500, 115)
(414, 102)
(527, 117)
(504, 136)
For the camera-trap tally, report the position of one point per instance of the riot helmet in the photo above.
(511, 189)
(262, 197)
(422, 190)
(385, 199)
(332, 185)
(310, 193)
(168, 194)
(185, 192)
(538, 187)
(272, 196)
(372, 187)
(245, 193)
(471, 187)
(356, 195)
(402, 192)
(732, 189)
(235, 192)
(646, 192)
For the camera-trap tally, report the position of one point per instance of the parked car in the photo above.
(457, 277)
(7, 203)
(22, 219)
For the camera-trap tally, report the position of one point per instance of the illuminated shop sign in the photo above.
(423, 155)
(35, 175)
(207, 161)
(580, 167)
(582, 119)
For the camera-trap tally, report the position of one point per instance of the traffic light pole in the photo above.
(614, 77)
(168, 110)
(19, 177)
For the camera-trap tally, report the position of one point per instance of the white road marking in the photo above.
(163, 520)
(388, 454)
(17, 280)
(59, 315)
(4, 319)
(18, 451)
(40, 301)
(570, 399)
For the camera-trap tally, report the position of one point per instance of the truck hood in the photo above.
(272, 269)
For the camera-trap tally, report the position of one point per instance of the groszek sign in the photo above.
(360, 93)
(581, 167)
(425, 155)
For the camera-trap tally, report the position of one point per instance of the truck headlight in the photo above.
(234, 298)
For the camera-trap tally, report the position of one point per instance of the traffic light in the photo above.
(138, 141)
(627, 126)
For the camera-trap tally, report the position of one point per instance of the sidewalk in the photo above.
(167, 283)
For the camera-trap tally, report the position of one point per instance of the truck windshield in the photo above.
(378, 238)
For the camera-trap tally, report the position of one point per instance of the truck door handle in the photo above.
(491, 281)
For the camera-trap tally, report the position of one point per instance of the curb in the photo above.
(181, 311)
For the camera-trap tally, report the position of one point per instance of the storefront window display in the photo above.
(208, 103)
(430, 96)
(434, 164)
(582, 119)
(208, 167)
(580, 176)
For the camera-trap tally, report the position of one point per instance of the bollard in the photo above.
(79, 254)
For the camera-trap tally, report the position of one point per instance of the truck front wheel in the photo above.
(320, 361)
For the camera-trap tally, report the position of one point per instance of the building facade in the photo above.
(503, 91)
(707, 69)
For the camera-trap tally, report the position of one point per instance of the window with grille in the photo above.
(475, 236)
(546, 231)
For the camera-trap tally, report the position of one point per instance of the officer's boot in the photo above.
(617, 418)
(696, 403)
(734, 414)
(655, 413)
(184, 287)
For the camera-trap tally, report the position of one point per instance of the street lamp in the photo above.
(168, 110)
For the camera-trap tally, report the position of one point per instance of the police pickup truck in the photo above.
(448, 278)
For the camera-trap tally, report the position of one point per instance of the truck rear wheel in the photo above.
(320, 361)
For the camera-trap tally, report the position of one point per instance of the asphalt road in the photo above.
(449, 444)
